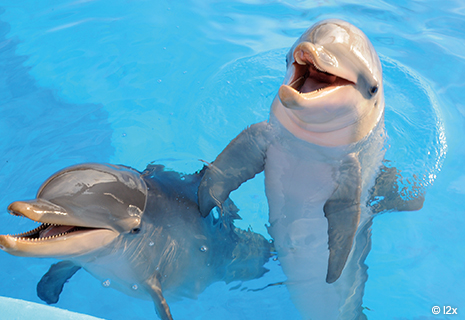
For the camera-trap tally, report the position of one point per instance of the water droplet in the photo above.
(159, 80)
(157, 268)
(203, 248)
(151, 243)
(134, 287)
(271, 241)
(275, 258)
(183, 178)
(123, 135)
(106, 283)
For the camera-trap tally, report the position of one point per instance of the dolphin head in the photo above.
(80, 208)
(333, 92)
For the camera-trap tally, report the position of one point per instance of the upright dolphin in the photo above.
(322, 152)
(141, 230)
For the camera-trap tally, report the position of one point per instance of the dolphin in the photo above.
(322, 151)
(140, 233)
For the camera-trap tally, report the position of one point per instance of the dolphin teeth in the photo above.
(319, 68)
(33, 231)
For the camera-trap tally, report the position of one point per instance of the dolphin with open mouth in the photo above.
(322, 151)
(141, 230)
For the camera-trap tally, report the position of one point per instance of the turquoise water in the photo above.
(132, 82)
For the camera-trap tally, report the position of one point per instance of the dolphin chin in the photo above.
(63, 245)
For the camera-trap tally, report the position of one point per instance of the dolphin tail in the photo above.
(240, 161)
(251, 252)
(51, 284)
(342, 210)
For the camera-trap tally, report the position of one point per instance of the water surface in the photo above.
(174, 81)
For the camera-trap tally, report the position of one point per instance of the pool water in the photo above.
(131, 82)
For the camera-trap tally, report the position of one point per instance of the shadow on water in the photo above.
(40, 134)
(41, 130)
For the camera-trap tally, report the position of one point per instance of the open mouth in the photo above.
(58, 236)
(309, 78)
(48, 231)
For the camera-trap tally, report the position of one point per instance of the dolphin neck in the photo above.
(343, 137)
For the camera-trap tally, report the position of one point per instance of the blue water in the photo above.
(132, 82)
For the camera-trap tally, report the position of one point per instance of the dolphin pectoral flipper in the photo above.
(51, 284)
(387, 196)
(343, 213)
(240, 161)
(153, 287)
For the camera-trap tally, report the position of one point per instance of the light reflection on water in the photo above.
(131, 82)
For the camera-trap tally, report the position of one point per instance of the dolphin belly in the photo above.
(298, 185)
(297, 189)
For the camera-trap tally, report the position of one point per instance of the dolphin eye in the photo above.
(135, 230)
(373, 90)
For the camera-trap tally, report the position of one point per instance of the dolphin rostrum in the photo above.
(141, 230)
(322, 152)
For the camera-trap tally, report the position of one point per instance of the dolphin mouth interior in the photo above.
(309, 78)
(48, 231)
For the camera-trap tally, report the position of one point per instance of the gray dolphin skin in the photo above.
(322, 151)
(143, 231)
